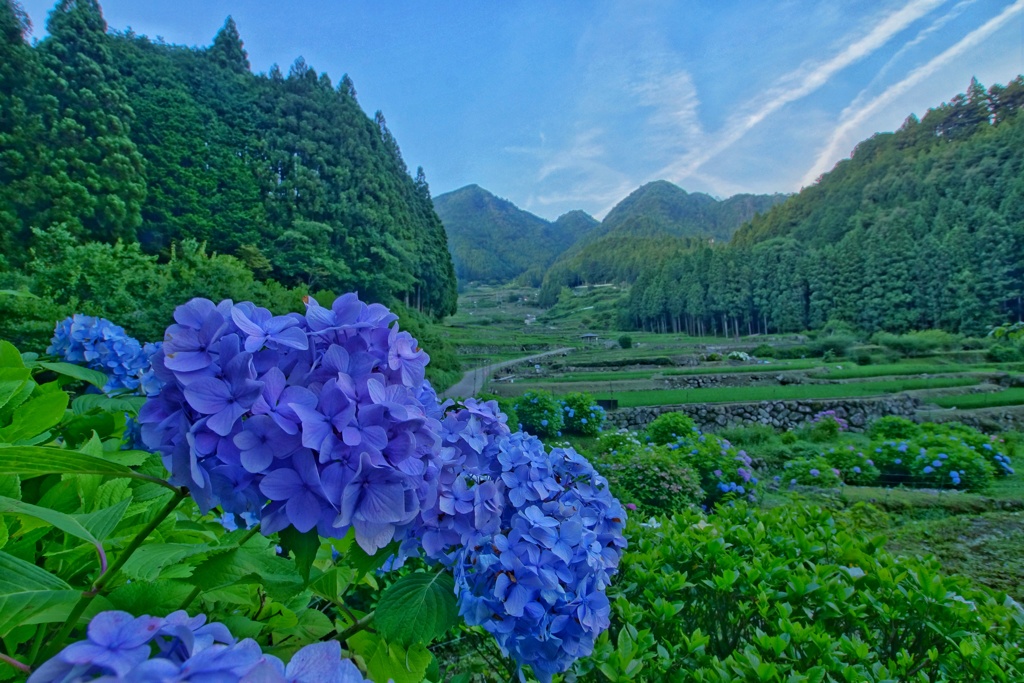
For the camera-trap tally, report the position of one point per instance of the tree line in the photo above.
(921, 228)
(117, 139)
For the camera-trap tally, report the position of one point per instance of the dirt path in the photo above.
(474, 380)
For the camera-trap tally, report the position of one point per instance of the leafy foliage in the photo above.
(793, 593)
(919, 230)
(540, 413)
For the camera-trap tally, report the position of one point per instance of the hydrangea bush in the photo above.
(320, 432)
(582, 415)
(540, 413)
(854, 466)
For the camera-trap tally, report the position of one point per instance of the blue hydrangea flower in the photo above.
(101, 345)
(327, 415)
(533, 538)
(182, 648)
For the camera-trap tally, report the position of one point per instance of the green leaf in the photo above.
(103, 522)
(31, 595)
(333, 583)
(352, 555)
(150, 597)
(12, 383)
(146, 562)
(35, 417)
(417, 608)
(94, 377)
(249, 566)
(303, 546)
(35, 461)
(89, 402)
(386, 661)
(66, 523)
(9, 356)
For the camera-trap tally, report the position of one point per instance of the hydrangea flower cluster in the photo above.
(826, 415)
(101, 345)
(533, 538)
(180, 648)
(327, 415)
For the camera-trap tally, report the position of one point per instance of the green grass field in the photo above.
(1008, 397)
(905, 368)
(628, 399)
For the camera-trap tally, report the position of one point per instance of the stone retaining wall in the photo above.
(778, 414)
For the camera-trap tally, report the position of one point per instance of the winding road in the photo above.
(473, 381)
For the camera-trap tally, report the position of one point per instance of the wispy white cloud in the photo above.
(797, 85)
(853, 118)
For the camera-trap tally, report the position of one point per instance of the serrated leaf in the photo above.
(388, 661)
(111, 492)
(31, 595)
(417, 608)
(244, 566)
(10, 486)
(151, 597)
(103, 522)
(94, 377)
(333, 583)
(310, 626)
(303, 546)
(35, 417)
(89, 402)
(146, 562)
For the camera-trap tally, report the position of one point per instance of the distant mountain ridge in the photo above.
(493, 240)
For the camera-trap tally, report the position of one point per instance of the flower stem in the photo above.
(358, 626)
(101, 581)
(15, 663)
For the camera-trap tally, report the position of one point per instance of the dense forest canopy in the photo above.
(493, 240)
(921, 228)
(120, 149)
(655, 223)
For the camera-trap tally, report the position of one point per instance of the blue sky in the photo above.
(572, 104)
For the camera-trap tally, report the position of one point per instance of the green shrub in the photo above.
(837, 345)
(815, 471)
(893, 427)
(794, 594)
(918, 343)
(625, 342)
(854, 466)
(748, 435)
(1003, 353)
(670, 426)
(582, 415)
(863, 358)
(540, 413)
(791, 352)
(764, 351)
(655, 480)
(933, 461)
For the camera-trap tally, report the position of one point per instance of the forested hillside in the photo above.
(134, 174)
(921, 228)
(656, 222)
(493, 240)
